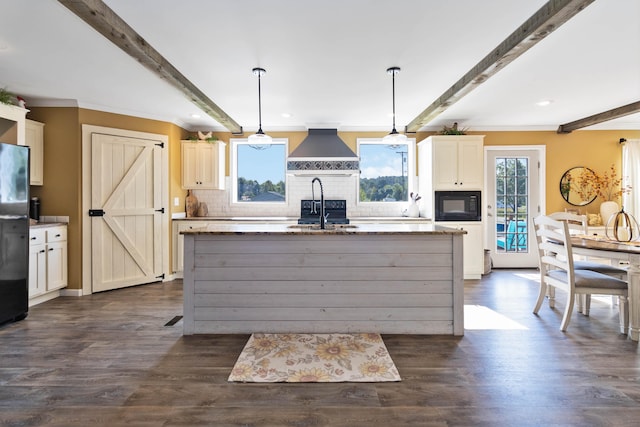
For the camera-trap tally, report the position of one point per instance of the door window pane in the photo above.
(512, 204)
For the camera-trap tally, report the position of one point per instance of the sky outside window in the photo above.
(383, 173)
(261, 173)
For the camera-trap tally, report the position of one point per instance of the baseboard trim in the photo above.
(43, 298)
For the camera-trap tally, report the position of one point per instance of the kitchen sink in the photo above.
(327, 226)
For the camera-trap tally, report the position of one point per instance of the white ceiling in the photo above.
(326, 61)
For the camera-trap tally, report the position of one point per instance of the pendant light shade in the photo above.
(394, 137)
(259, 140)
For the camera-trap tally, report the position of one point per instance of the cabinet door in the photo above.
(473, 247)
(190, 165)
(37, 269)
(56, 265)
(203, 165)
(445, 162)
(470, 165)
(473, 251)
(34, 138)
(206, 168)
(179, 239)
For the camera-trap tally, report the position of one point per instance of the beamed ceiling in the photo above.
(483, 64)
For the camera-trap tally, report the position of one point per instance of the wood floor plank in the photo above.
(109, 360)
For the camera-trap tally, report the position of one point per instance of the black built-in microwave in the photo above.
(458, 206)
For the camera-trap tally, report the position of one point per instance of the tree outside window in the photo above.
(260, 172)
(385, 171)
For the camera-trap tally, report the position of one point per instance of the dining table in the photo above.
(618, 252)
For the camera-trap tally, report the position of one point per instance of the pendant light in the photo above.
(259, 140)
(394, 138)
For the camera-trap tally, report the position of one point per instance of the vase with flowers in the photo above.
(609, 187)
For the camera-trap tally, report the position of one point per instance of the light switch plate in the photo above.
(176, 201)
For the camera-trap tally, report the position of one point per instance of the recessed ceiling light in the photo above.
(196, 116)
(544, 102)
(286, 115)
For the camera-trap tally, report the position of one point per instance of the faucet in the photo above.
(323, 218)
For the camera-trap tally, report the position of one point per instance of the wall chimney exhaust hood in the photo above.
(322, 152)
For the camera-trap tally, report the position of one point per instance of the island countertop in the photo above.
(296, 229)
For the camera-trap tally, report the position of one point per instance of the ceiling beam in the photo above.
(104, 20)
(547, 19)
(625, 110)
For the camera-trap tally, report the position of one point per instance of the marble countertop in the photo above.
(239, 218)
(46, 224)
(276, 219)
(295, 229)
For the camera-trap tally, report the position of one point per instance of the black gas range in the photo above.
(336, 211)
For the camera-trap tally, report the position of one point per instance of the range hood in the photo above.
(322, 152)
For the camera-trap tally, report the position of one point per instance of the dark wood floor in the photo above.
(109, 360)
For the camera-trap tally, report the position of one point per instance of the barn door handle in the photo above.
(96, 212)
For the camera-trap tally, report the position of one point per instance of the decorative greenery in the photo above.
(607, 185)
(6, 97)
(196, 138)
(453, 130)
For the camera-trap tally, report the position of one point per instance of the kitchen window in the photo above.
(386, 171)
(258, 172)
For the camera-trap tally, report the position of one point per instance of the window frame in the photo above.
(233, 172)
(411, 171)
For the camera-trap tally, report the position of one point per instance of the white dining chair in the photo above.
(578, 225)
(557, 272)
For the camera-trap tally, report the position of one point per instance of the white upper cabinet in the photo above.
(34, 138)
(12, 120)
(449, 162)
(203, 165)
(458, 162)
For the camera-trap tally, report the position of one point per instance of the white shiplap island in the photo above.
(279, 278)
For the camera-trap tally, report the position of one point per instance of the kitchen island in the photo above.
(280, 278)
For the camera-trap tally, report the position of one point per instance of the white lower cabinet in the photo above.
(473, 250)
(178, 242)
(37, 263)
(47, 262)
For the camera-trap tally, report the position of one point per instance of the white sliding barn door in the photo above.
(126, 211)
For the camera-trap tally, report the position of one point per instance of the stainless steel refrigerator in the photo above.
(14, 232)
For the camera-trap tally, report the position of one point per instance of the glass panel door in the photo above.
(512, 202)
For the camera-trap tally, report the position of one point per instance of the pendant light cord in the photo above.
(259, 103)
(393, 97)
(393, 71)
(259, 72)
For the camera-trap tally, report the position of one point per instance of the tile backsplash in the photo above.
(298, 188)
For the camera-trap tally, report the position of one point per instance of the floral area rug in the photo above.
(314, 358)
